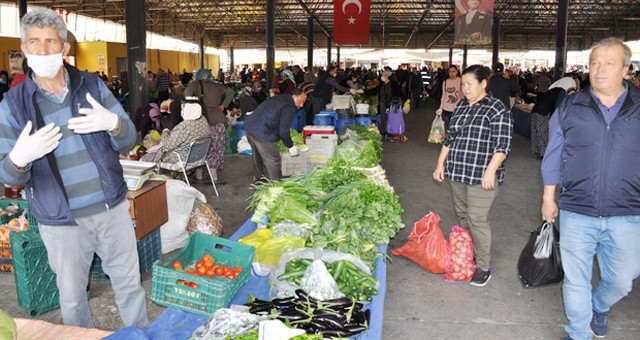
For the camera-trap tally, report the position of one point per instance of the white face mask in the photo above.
(46, 66)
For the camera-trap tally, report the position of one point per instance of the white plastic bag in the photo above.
(436, 135)
(180, 198)
(285, 288)
(318, 282)
(244, 147)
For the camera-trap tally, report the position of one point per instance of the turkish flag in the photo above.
(351, 21)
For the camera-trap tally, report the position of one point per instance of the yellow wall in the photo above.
(89, 57)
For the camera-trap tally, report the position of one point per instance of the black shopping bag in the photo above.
(539, 262)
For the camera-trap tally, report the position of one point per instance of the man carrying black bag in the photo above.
(593, 155)
(539, 262)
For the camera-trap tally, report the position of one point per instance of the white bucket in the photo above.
(362, 109)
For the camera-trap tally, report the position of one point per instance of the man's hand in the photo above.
(293, 151)
(94, 119)
(29, 148)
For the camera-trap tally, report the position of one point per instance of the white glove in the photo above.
(439, 112)
(353, 91)
(360, 91)
(293, 151)
(28, 147)
(95, 119)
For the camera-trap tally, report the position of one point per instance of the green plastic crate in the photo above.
(149, 251)
(35, 281)
(6, 262)
(211, 293)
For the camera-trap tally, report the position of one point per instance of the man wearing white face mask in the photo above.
(61, 132)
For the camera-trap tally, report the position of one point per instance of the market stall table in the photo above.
(521, 120)
(166, 325)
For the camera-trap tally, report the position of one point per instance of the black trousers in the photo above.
(266, 156)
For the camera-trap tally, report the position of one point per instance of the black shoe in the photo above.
(599, 326)
(480, 277)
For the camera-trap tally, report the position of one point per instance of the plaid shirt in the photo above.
(475, 134)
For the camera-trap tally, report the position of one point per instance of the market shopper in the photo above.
(270, 122)
(451, 95)
(62, 131)
(592, 154)
(472, 158)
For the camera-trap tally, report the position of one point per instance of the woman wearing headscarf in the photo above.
(542, 111)
(147, 118)
(288, 83)
(215, 97)
(193, 127)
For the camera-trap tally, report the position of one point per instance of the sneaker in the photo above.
(599, 325)
(480, 277)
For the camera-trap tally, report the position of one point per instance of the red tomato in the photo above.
(231, 275)
(208, 264)
(201, 271)
(237, 270)
(191, 271)
(193, 285)
(219, 271)
(177, 265)
(210, 273)
(207, 257)
(199, 264)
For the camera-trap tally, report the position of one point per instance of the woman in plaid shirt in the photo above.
(472, 156)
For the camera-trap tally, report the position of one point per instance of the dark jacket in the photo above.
(503, 88)
(46, 197)
(271, 120)
(600, 173)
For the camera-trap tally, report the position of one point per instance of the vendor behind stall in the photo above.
(270, 122)
(62, 131)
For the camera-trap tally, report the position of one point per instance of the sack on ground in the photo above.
(205, 220)
(539, 262)
(426, 245)
(436, 134)
(460, 266)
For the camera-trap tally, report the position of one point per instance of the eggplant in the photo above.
(284, 302)
(335, 332)
(333, 321)
(320, 325)
(358, 317)
(261, 308)
(354, 329)
(300, 293)
(291, 317)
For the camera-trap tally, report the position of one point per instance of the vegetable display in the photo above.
(358, 132)
(355, 154)
(298, 141)
(333, 318)
(323, 180)
(352, 281)
(284, 200)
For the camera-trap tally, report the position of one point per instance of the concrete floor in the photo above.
(421, 305)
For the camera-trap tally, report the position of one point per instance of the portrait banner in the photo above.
(473, 22)
(351, 21)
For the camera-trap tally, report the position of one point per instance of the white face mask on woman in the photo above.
(46, 66)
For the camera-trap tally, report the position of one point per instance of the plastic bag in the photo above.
(204, 219)
(460, 266)
(180, 198)
(539, 262)
(436, 134)
(318, 282)
(426, 245)
(285, 288)
(406, 107)
(269, 249)
(227, 322)
(289, 228)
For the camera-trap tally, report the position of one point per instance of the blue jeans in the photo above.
(614, 240)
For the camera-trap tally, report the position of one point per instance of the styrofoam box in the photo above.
(321, 148)
(342, 101)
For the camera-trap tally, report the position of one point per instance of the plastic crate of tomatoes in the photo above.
(204, 276)
(14, 216)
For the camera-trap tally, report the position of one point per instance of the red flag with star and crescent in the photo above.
(351, 21)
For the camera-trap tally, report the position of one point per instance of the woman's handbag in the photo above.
(539, 262)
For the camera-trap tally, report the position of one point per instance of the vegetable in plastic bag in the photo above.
(460, 266)
(319, 283)
(227, 322)
(539, 262)
(426, 245)
(269, 249)
(204, 219)
(436, 134)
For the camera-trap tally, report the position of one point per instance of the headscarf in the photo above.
(257, 87)
(566, 83)
(192, 109)
(204, 74)
(246, 91)
(288, 74)
(153, 113)
(387, 74)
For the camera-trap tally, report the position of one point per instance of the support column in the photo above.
(136, 54)
(338, 56)
(271, 41)
(201, 52)
(22, 7)
(328, 51)
(495, 39)
(310, 43)
(232, 68)
(561, 39)
(465, 51)
(451, 56)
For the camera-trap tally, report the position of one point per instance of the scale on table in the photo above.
(136, 173)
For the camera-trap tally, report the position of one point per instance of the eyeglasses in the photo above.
(16, 54)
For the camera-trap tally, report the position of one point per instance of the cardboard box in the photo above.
(148, 207)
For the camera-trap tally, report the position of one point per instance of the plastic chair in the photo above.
(195, 158)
